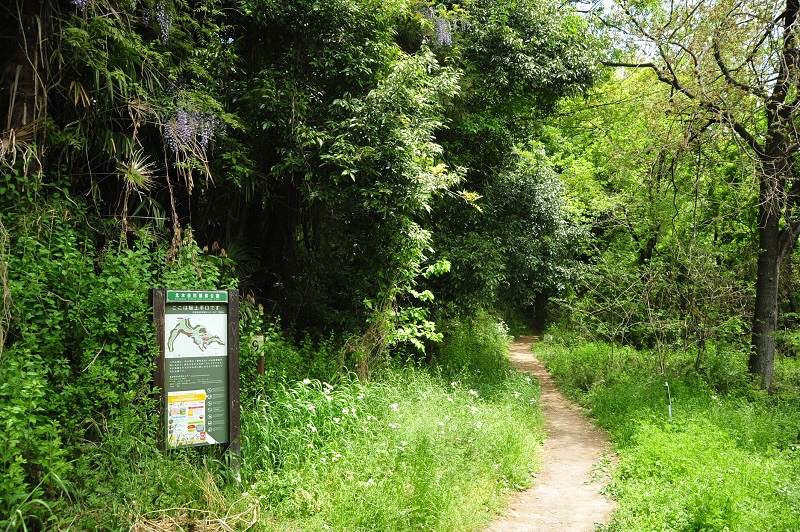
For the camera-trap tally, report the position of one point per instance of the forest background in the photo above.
(384, 182)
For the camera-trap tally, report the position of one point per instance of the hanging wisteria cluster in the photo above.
(164, 19)
(190, 130)
(444, 27)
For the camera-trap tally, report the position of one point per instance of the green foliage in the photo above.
(722, 462)
(402, 453)
(193, 268)
(78, 364)
(476, 345)
(692, 476)
(32, 458)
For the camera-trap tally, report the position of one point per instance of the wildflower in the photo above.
(516, 395)
(473, 393)
(393, 406)
(454, 384)
(394, 425)
(311, 407)
(473, 410)
(164, 19)
(336, 420)
(403, 443)
(306, 381)
(479, 424)
(533, 401)
(369, 483)
(311, 427)
(441, 423)
(345, 411)
(527, 379)
(189, 128)
(360, 396)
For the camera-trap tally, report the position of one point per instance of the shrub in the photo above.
(478, 344)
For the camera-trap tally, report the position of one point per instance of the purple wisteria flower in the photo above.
(164, 19)
(189, 129)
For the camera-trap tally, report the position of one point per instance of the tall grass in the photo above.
(415, 448)
(727, 459)
(410, 452)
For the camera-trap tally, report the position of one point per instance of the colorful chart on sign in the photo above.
(186, 418)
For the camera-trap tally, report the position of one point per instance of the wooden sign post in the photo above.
(197, 371)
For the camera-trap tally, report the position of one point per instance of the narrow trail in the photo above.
(564, 496)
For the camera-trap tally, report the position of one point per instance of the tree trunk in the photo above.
(765, 314)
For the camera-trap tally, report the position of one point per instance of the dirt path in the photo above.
(564, 496)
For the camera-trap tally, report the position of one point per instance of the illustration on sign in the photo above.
(198, 333)
(186, 420)
(196, 330)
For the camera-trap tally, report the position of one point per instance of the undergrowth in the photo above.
(728, 457)
(409, 451)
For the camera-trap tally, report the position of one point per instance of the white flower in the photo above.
(369, 483)
(479, 424)
(306, 381)
(474, 393)
(441, 423)
(345, 411)
(527, 379)
(336, 420)
(473, 410)
(516, 394)
(360, 396)
(403, 443)
(394, 425)
(311, 408)
(393, 406)
(311, 427)
(454, 384)
(533, 401)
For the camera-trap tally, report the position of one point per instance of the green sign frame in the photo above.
(197, 371)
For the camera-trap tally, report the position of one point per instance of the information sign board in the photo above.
(198, 370)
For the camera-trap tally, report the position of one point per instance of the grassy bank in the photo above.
(434, 448)
(728, 457)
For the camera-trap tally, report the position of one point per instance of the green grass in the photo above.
(414, 448)
(410, 452)
(729, 457)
